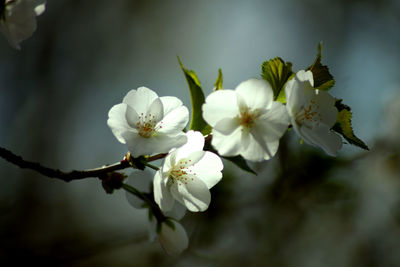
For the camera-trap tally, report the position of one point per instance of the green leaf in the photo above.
(197, 122)
(343, 125)
(240, 162)
(282, 96)
(323, 80)
(277, 73)
(218, 82)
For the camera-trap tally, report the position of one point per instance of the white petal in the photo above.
(117, 122)
(192, 159)
(140, 180)
(195, 142)
(156, 110)
(327, 107)
(208, 169)
(297, 129)
(228, 145)
(243, 107)
(273, 123)
(177, 212)
(170, 160)
(159, 143)
(257, 93)
(194, 193)
(173, 240)
(140, 99)
(137, 145)
(162, 196)
(170, 103)
(263, 140)
(131, 116)
(227, 125)
(257, 150)
(220, 104)
(175, 121)
(323, 137)
(40, 9)
(298, 94)
(306, 134)
(305, 76)
(291, 105)
(245, 140)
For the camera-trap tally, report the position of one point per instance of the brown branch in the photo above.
(156, 157)
(55, 173)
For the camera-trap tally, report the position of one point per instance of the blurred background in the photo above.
(302, 209)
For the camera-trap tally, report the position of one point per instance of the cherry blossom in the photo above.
(187, 175)
(148, 124)
(246, 120)
(142, 181)
(312, 113)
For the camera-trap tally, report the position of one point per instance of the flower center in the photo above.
(309, 114)
(147, 125)
(247, 118)
(181, 172)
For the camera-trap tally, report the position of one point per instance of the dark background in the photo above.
(303, 209)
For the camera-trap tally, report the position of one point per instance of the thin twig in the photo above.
(151, 166)
(55, 173)
(156, 157)
(149, 199)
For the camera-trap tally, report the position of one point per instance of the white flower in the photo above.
(246, 120)
(148, 124)
(187, 175)
(141, 180)
(173, 240)
(312, 113)
(173, 237)
(18, 19)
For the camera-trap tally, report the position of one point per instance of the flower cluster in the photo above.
(150, 125)
(245, 122)
(251, 123)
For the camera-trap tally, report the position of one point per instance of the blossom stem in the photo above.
(134, 191)
(148, 199)
(151, 166)
(65, 176)
(156, 157)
